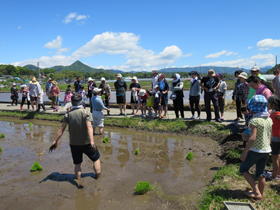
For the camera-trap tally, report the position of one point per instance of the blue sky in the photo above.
(140, 34)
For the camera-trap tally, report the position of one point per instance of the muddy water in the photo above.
(161, 161)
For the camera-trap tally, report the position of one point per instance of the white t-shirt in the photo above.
(155, 82)
(222, 86)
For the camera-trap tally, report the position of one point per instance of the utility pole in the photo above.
(39, 75)
(276, 61)
(200, 70)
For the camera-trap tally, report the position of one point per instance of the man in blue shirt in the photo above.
(77, 84)
(97, 107)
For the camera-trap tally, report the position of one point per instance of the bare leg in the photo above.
(275, 163)
(120, 107)
(132, 107)
(124, 108)
(97, 168)
(250, 179)
(78, 171)
(137, 107)
(93, 128)
(100, 130)
(261, 184)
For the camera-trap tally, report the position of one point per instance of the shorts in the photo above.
(32, 98)
(275, 147)
(248, 131)
(97, 119)
(143, 102)
(121, 99)
(156, 106)
(133, 101)
(77, 153)
(164, 101)
(260, 159)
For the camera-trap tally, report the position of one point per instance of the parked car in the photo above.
(3, 86)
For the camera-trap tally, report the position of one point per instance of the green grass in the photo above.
(234, 154)
(36, 167)
(31, 115)
(105, 140)
(190, 156)
(136, 152)
(2, 135)
(1, 149)
(142, 187)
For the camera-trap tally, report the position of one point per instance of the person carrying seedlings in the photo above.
(134, 88)
(40, 99)
(106, 93)
(80, 135)
(97, 107)
(143, 98)
(149, 103)
(55, 95)
(164, 88)
(67, 99)
(258, 146)
(14, 94)
(177, 89)
(157, 101)
(121, 87)
(274, 105)
(210, 86)
(194, 95)
(247, 133)
(222, 94)
(24, 91)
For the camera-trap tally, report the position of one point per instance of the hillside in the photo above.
(30, 66)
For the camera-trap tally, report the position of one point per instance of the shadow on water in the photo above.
(58, 177)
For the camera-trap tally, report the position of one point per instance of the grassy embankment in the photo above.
(144, 85)
(226, 185)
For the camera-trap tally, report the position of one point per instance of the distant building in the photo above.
(269, 77)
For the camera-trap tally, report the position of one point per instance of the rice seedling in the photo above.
(36, 167)
(105, 140)
(136, 152)
(142, 187)
(189, 156)
(2, 135)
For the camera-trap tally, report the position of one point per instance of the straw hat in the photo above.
(34, 81)
(119, 75)
(54, 82)
(211, 73)
(243, 75)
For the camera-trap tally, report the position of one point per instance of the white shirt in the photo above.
(155, 82)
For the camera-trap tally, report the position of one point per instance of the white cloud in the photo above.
(3, 42)
(63, 50)
(74, 15)
(266, 44)
(19, 27)
(231, 53)
(54, 44)
(263, 60)
(216, 55)
(138, 59)
(186, 66)
(249, 48)
(187, 55)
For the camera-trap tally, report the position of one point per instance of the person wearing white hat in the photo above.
(105, 93)
(34, 92)
(134, 88)
(246, 87)
(121, 88)
(255, 71)
(97, 107)
(14, 94)
(91, 86)
(24, 91)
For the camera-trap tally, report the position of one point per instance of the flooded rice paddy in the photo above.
(161, 161)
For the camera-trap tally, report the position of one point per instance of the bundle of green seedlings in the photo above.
(36, 167)
(142, 187)
(189, 156)
(105, 140)
(2, 135)
(1, 149)
(30, 124)
(136, 152)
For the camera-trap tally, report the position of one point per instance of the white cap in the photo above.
(119, 75)
(255, 68)
(156, 87)
(142, 92)
(14, 84)
(96, 90)
(90, 79)
(102, 79)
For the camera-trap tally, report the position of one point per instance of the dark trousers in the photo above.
(39, 106)
(208, 97)
(90, 105)
(106, 103)
(23, 100)
(194, 100)
(238, 107)
(14, 100)
(179, 106)
(221, 104)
